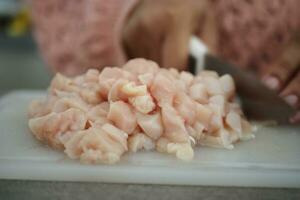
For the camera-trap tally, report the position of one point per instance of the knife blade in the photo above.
(258, 101)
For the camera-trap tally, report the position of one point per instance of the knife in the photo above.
(258, 101)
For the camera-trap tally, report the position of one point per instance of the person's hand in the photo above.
(283, 76)
(160, 30)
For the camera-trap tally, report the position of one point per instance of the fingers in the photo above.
(160, 30)
(142, 37)
(277, 75)
(291, 94)
(154, 37)
(296, 118)
(132, 33)
(175, 48)
(284, 76)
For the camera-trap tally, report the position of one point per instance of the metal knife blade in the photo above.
(258, 102)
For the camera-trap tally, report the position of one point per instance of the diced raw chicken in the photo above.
(180, 85)
(191, 131)
(99, 122)
(198, 93)
(122, 115)
(91, 94)
(64, 137)
(235, 108)
(150, 124)
(187, 78)
(129, 76)
(199, 128)
(61, 94)
(143, 104)
(204, 115)
(116, 134)
(198, 79)
(108, 77)
(221, 140)
(116, 92)
(174, 72)
(219, 100)
(131, 89)
(92, 76)
(140, 141)
(141, 66)
(166, 73)
(185, 107)
(162, 145)
(183, 81)
(97, 146)
(97, 117)
(216, 121)
(38, 108)
(233, 137)
(79, 81)
(173, 125)
(107, 73)
(163, 89)
(62, 83)
(98, 111)
(227, 138)
(192, 141)
(105, 86)
(182, 151)
(146, 79)
(233, 120)
(66, 103)
(247, 130)
(208, 73)
(72, 148)
(46, 128)
(123, 90)
(213, 85)
(228, 86)
(195, 131)
(96, 156)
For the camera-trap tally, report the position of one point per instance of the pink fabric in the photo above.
(76, 35)
(253, 33)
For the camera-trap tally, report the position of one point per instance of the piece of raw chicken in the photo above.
(99, 116)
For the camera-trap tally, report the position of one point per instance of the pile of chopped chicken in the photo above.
(97, 117)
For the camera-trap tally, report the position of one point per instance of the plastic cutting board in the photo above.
(272, 159)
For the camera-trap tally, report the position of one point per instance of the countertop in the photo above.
(66, 190)
(21, 67)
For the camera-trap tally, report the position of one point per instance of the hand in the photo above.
(160, 30)
(284, 76)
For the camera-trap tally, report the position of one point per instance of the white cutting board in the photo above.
(272, 159)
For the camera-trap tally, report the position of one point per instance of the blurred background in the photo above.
(21, 66)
